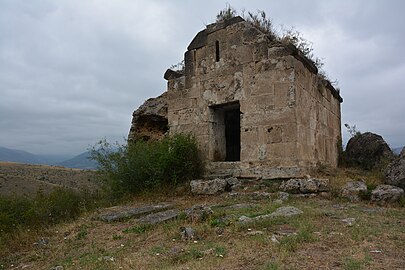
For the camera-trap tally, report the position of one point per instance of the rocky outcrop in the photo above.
(395, 173)
(215, 186)
(305, 186)
(353, 190)
(384, 194)
(367, 150)
(149, 121)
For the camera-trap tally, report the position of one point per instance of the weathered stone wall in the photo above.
(290, 117)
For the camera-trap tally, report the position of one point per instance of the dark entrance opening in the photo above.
(232, 135)
(226, 131)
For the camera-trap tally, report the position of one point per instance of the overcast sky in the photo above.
(73, 71)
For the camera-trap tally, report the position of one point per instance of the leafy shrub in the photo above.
(144, 165)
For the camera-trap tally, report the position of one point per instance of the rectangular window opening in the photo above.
(217, 51)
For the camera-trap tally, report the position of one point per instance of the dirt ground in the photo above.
(18, 179)
(320, 238)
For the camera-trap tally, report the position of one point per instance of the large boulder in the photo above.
(395, 173)
(386, 194)
(367, 150)
(353, 190)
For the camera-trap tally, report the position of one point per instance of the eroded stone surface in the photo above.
(395, 174)
(386, 194)
(214, 186)
(198, 213)
(149, 121)
(352, 190)
(305, 185)
(208, 187)
(120, 213)
(159, 217)
(284, 211)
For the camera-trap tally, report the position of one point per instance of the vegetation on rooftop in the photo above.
(285, 36)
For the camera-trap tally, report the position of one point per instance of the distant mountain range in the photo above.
(397, 150)
(80, 161)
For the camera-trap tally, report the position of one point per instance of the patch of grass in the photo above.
(139, 229)
(81, 234)
(43, 210)
(271, 266)
(187, 255)
(353, 264)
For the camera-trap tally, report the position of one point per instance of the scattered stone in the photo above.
(159, 217)
(252, 233)
(42, 242)
(198, 213)
(305, 186)
(188, 233)
(245, 219)
(395, 173)
(233, 183)
(349, 221)
(240, 206)
(352, 190)
(257, 195)
(367, 150)
(274, 239)
(291, 186)
(208, 187)
(107, 259)
(118, 213)
(219, 231)
(283, 196)
(58, 267)
(286, 211)
(386, 194)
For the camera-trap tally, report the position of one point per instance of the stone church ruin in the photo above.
(257, 107)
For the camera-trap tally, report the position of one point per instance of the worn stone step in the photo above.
(119, 213)
(159, 217)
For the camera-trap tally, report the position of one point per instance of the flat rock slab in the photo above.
(117, 214)
(240, 206)
(285, 211)
(257, 195)
(159, 217)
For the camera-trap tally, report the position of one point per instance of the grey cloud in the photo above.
(72, 72)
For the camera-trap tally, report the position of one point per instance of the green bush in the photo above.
(144, 165)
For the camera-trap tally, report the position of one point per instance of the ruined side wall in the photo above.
(319, 119)
(149, 121)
